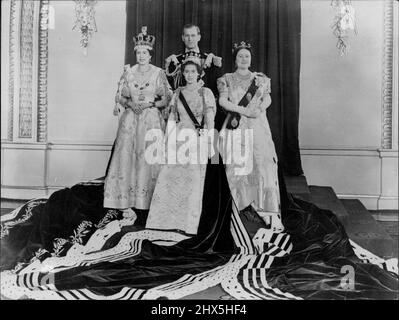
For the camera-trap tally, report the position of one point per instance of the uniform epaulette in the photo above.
(215, 60)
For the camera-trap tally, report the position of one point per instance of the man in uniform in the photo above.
(210, 63)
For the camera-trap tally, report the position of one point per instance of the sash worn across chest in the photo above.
(198, 126)
(233, 120)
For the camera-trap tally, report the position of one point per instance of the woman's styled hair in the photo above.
(193, 63)
(237, 50)
(190, 63)
(150, 51)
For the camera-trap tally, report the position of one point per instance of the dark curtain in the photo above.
(273, 27)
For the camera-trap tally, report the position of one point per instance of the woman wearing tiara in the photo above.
(142, 91)
(177, 200)
(246, 96)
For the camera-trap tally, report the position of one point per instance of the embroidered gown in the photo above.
(257, 185)
(130, 181)
(177, 199)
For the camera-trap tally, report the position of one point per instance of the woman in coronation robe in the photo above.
(143, 92)
(253, 179)
(177, 199)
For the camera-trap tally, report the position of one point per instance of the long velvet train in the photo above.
(70, 247)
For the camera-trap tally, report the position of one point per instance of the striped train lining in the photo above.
(248, 266)
(186, 285)
(249, 288)
(128, 246)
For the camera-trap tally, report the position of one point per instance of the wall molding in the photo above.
(78, 151)
(373, 202)
(27, 192)
(25, 127)
(107, 146)
(387, 203)
(388, 153)
(24, 70)
(395, 77)
(77, 146)
(387, 66)
(349, 151)
(43, 72)
(13, 38)
(334, 151)
(81, 145)
(24, 146)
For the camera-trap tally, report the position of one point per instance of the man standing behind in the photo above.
(210, 63)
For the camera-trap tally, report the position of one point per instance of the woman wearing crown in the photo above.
(178, 197)
(246, 96)
(143, 91)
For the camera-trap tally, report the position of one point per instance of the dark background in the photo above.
(273, 27)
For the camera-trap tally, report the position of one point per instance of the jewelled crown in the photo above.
(192, 56)
(144, 39)
(241, 45)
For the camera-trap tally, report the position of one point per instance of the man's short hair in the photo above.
(189, 26)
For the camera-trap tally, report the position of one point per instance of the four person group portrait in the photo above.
(226, 113)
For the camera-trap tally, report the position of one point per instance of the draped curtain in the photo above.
(273, 27)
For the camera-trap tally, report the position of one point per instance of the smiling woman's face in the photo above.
(190, 73)
(143, 56)
(243, 59)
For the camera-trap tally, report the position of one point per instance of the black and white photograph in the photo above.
(209, 151)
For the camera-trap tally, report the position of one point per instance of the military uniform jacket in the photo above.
(211, 66)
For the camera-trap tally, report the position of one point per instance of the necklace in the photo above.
(242, 81)
(240, 76)
(141, 84)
